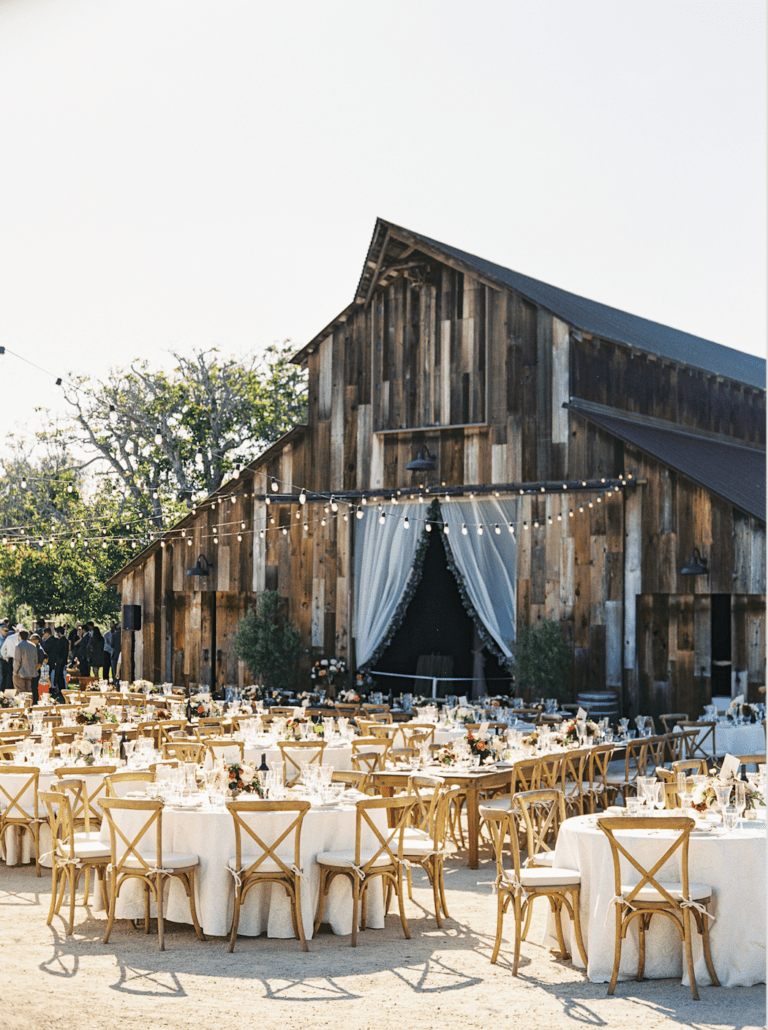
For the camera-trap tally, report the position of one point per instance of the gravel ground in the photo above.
(439, 976)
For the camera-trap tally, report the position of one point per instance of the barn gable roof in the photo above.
(724, 466)
(589, 316)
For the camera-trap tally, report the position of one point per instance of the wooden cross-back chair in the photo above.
(378, 713)
(19, 806)
(295, 752)
(413, 733)
(543, 812)
(348, 711)
(670, 719)
(119, 784)
(70, 857)
(572, 779)
(701, 743)
(656, 751)
(430, 850)
(8, 752)
(690, 766)
(185, 751)
(635, 760)
(368, 744)
(85, 813)
(382, 861)
(597, 774)
(526, 775)
(681, 902)
(258, 824)
(141, 856)
(380, 730)
(520, 886)
(211, 728)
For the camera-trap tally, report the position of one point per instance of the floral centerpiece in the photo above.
(145, 687)
(704, 795)
(243, 779)
(95, 715)
(327, 670)
(348, 697)
(365, 681)
(200, 707)
(445, 755)
(83, 750)
(480, 746)
(8, 702)
(531, 740)
(18, 724)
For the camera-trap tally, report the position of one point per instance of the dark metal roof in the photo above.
(729, 469)
(607, 322)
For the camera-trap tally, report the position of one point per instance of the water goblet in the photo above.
(740, 800)
(634, 806)
(659, 795)
(723, 795)
(682, 786)
(730, 818)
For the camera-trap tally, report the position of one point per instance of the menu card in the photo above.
(729, 768)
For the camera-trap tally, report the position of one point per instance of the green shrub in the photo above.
(269, 645)
(541, 660)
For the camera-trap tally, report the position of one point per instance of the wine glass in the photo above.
(659, 795)
(682, 786)
(740, 800)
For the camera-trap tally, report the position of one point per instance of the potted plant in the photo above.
(540, 661)
(268, 643)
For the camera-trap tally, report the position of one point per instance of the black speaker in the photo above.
(131, 617)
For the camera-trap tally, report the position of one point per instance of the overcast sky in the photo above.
(188, 173)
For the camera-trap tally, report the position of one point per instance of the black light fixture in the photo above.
(201, 567)
(697, 565)
(423, 462)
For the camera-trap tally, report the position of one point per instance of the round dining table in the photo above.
(733, 864)
(209, 833)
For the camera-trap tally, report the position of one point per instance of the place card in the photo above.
(729, 768)
(581, 715)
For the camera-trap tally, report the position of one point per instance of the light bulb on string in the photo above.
(406, 523)
(326, 509)
(306, 527)
(242, 525)
(382, 518)
(549, 520)
(599, 499)
(236, 473)
(273, 484)
(591, 504)
(239, 538)
(323, 521)
(428, 527)
(479, 530)
(346, 516)
(496, 529)
(446, 528)
(581, 508)
(215, 539)
(261, 534)
(112, 416)
(69, 489)
(23, 482)
(570, 513)
(285, 531)
(525, 524)
(158, 437)
(559, 516)
(464, 529)
(267, 500)
(512, 528)
(536, 524)
(271, 520)
(189, 541)
(359, 513)
(334, 505)
(303, 496)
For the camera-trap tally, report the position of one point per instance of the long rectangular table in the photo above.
(473, 783)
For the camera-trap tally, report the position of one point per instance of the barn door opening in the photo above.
(436, 623)
(721, 645)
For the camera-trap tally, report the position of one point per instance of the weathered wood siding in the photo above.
(480, 375)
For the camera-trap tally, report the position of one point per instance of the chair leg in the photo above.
(707, 953)
(188, 879)
(146, 908)
(72, 877)
(112, 906)
(54, 892)
(641, 927)
(518, 924)
(87, 885)
(235, 919)
(159, 891)
(689, 954)
(435, 875)
(528, 915)
(296, 913)
(355, 907)
(401, 903)
(499, 925)
(616, 953)
(410, 885)
(576, 903)
(557, 909)
(324, 882)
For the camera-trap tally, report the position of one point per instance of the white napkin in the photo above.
(581, 715)
(730, 767)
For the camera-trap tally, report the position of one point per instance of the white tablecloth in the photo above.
(337, 755)
(733, 865)
(736, 740)
(210, 834)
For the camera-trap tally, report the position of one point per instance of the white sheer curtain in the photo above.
(488, 563)
(383, 563)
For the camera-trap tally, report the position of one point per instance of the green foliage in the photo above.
(541, 660)
(269, 645)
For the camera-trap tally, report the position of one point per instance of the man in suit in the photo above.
(25, 664)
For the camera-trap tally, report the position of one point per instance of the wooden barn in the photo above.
(591, 456)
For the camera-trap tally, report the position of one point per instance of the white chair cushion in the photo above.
(269, 865)
(545, 858)
(549, 876)
(82, 836)
(417, 848)
(92, 849)
(696, 892)
(503, 803)
(347, 858)
(412, 833)
(171, 860)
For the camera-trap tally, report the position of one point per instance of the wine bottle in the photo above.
(123, 754)
(264, 767)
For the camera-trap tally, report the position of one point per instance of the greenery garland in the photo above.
(483, 633)
(433, 513)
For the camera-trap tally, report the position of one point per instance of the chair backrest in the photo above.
(18, 793)
(148, 837)
(350, 777)
(60, 822)
(295, 752)
(211, 727)
(425, 790)
(94, 788)
(367, 762)
(230, 750)
(635, 758)
(185, 751)
(543, 813)
(648, 877)
(367, 744)
(121, 783)
(597, 766)
(572, 777)
(700, 744)
(377, 713)
(441, 821)
(348, 711)
(282, 711)
(656, 753)
(64, 734)
(547, 774)
(415, 733)
(381, 843)
(669, 780)
(671, 719)
(380, 730)
(172, 763)
(691, 767)
(8, 752)
(526, 775)
(264, 836)
(745, 760)
(502, 824)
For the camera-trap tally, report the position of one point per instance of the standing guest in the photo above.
(114, 640)
(61, 653)
(7, 652)
(49, 647)
(96, 653)
(41, 660)
(6, 668)
(80, 652)
(74, 637)
(39, 627)
(25, 666)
